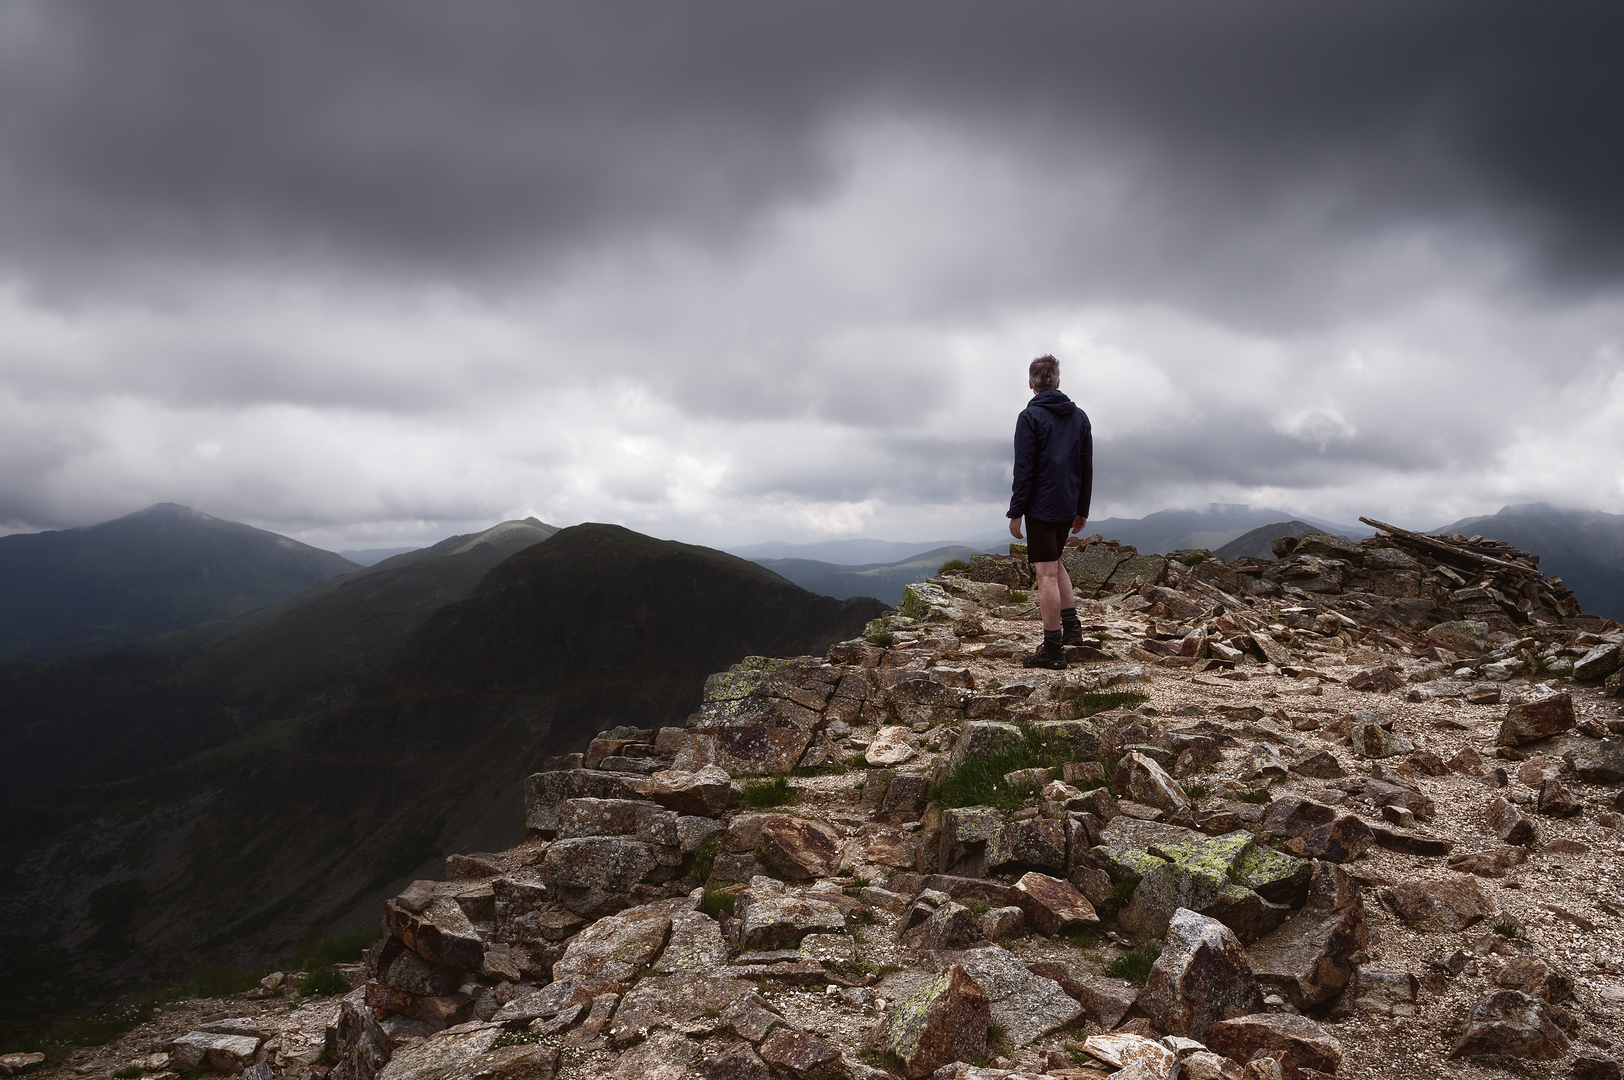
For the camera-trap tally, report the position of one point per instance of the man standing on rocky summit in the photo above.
(1054, 480)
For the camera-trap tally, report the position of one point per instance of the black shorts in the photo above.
(1045, 539)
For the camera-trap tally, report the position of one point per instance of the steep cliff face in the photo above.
(257, 848)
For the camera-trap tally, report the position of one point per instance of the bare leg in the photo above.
(1054, 591)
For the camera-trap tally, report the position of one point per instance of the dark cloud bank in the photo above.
(736, 270)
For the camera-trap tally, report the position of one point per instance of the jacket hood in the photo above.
(1055, 402)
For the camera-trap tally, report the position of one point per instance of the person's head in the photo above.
(1044, 374)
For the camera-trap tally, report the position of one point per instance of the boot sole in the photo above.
(1052, 665)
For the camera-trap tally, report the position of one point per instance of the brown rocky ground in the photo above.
(581, 953)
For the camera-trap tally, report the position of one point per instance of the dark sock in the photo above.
(1069, 619)
(1051, 637)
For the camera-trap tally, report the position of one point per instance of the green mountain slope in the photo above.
(87, 721)
(238, 852)
(1585, 548)
(82, 591)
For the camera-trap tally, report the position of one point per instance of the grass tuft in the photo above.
(1507, 929)
(345, 948)
(979, 781)
(702, 858)
(1085, 703)
(1260, 796)
(1016, 596)
(718, 900)
(760, 794)
(322, 983)
(884, 639)
(952, 566)
(1134, 966)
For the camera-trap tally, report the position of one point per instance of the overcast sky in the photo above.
(370, 274)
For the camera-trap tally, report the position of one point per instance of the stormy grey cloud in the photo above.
(375, 272)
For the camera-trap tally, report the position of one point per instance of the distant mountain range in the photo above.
(80, 591)
(883, 581)
(372, 556)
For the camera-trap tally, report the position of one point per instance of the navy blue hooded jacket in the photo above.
(1054, 460)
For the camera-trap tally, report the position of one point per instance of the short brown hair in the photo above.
(1044, 373)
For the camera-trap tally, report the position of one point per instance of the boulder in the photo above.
(695, 945)
(358, 1047)
(548, 789)
(1138, 1057)
(703, 793)
(1322, 832)
(1027, 1006)
(1307, 1045)
(1141, 780)
(1598, 762)
(1311, 958)
(470, 1052)
(1038, 843)
(1536, 720)
(1318, 765)
(980, 738)
(616, 947)
(946, 1020)
(1533, 976)
(950, 926)
(1556, 799)
(1373, 740)
(1468, 637)
(1492, 864)
(965, 834)
(599, 865)
(1003, 924)
(1104, 1000)
(1508, 823)
(891, 746)
(780, 921)
(440, 933)
(671, 1002)
(801, 1055)
(217, 1053)
(1449, 905)
(1229, 877)
(439, 1010)
(797, 849)
(1201, 977)
(663, 1056)
(1512, 1023)
(1053, 907)
(1598, 663)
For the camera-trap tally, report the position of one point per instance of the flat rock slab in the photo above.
(695, 945)
(781, 921)
(671, 1002)
(1307, 1044)
(1313, 957)
(1052, 906)
(219, 1053)
(703, 793)
(1028, 1006)
(1513, 1023)
(615, 948)
(1536, 720)
(892, 746)
(1448, 905)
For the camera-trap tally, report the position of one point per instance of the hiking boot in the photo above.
(1071, 635)
(1049, 655)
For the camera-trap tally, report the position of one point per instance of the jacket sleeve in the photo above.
(1085, 493)
(1026, 452)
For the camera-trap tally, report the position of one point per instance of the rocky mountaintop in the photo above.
(80, 591)
(1354, 811)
